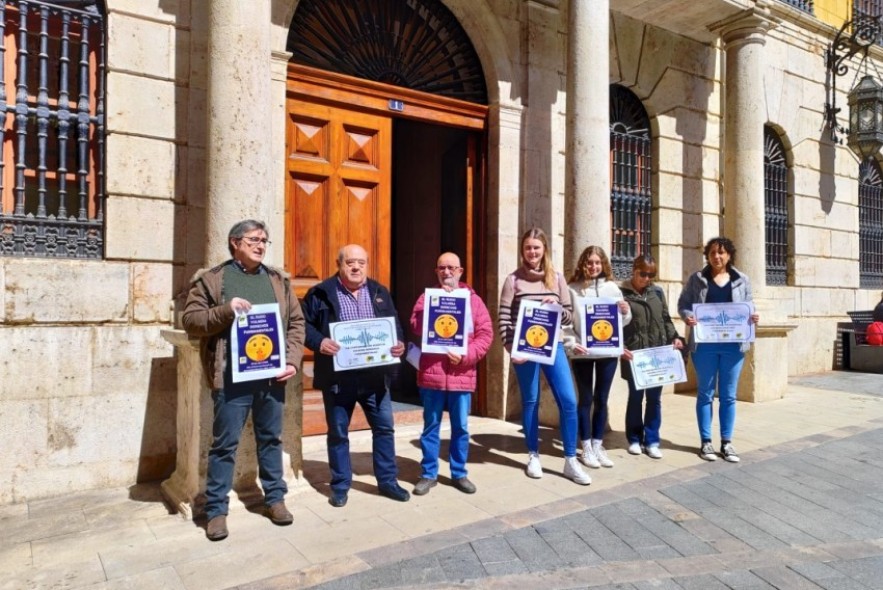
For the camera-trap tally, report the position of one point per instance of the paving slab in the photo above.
(803, 507)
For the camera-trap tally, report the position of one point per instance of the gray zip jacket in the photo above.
(696, 289)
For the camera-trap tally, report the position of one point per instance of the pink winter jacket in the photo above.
(436, 370)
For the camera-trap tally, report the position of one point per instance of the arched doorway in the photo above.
(385, 137)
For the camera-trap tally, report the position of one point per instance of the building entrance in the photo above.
(398, 171)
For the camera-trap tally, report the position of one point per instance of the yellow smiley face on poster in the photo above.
(446, 325)
(602, 330)
(259, 347)
(536, 336)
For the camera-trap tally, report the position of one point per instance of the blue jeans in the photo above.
(592, 424)
(231, 410)
(717, 366)
(339, 406)
(458, 404)
(643, 431)
(561, 382)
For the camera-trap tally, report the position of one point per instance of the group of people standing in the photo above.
(446, 381)
(581, 380)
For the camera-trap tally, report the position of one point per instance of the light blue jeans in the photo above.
(561, 382)
(717, 367)
(458, 404)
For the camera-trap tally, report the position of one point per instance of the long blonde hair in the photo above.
(550, 278)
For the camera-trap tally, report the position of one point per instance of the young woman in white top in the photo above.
(593, 277)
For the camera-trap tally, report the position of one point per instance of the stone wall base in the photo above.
(185, 489)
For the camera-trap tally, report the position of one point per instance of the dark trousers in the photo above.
(231, 410)
(377, 405)
(643, 430)
(592, 405)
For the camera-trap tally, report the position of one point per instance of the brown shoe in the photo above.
(216, 529)
(279, 514)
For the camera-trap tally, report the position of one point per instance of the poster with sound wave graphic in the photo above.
(655, 367)
(723, 322)
(364, 343)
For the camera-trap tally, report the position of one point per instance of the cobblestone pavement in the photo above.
(811, 517)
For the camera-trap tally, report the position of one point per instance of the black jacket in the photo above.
(651, 323)
(321, 307)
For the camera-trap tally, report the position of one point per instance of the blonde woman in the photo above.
(536, 279)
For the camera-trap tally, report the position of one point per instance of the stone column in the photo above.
(764, 376)
(587, 167)
(243, 181)
(744, 38)
(239, 106)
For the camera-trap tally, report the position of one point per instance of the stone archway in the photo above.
(476, 18)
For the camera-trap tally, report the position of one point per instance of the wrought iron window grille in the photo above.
(777, 219)
(804, 5)
(631, 191)
(865, 13)
(870, 215)
(52, 91)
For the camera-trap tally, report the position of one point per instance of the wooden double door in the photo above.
(400, 173)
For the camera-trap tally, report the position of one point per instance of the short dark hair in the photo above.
(243, 227)
(721, 242)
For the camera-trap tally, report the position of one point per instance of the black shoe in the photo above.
(338, 499)
(395, 492)
(423, 486)
(464, 485)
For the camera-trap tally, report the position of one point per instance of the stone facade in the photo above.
(89, 386)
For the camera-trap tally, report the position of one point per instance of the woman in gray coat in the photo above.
(717, 364)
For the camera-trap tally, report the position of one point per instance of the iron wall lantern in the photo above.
(865, 136)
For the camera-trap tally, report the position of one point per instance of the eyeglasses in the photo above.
(355, 262)
(443, 268)
(255, 241)
(647, 275)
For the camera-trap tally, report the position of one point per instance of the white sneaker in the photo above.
(653, 452)
(534, 469)
(635, 449)
(706, 451)
(601, 454)
(728, 452)
(573, 470)
(588, 457)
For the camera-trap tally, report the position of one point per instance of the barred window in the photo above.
(775, 182)
(631, 193)
(52, 57)
(870, 224)
(804, 5)
(866, 10)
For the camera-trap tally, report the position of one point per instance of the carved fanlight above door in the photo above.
(416, 44)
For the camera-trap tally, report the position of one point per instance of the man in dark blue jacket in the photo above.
(351, 295)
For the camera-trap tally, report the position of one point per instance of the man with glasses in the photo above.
(217, 295)
(447, 381)
(347, 296)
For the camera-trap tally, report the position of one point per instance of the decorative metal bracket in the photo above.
(866, 31)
